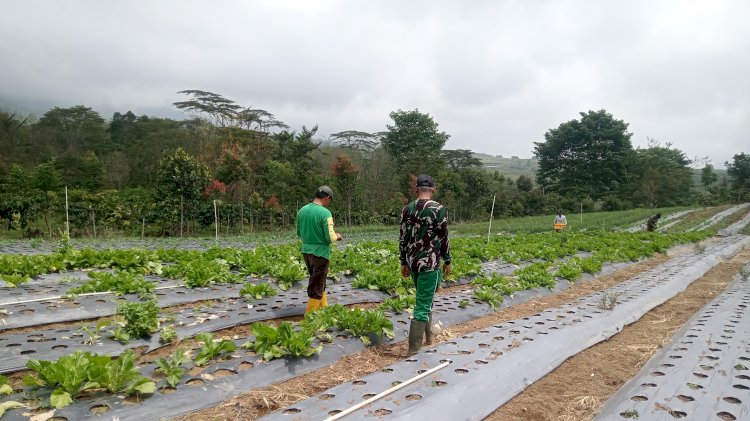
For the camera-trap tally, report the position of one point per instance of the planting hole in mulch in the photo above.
(383, 412)
(638, 398)
(167, 390)
(326, 396)
(99, 409)
(359, 382)
(291, 411)
(726, 416)
(223, 372)
(245, 365)
(195, 382)
(685, 398)
(133, 400)
(413, 397)
(368, 396)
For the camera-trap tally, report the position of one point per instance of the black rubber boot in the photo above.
(416, 336)
(428, 335)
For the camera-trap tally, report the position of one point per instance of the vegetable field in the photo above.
(198, 329)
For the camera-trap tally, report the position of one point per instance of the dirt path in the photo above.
(258, 402)
(580, 386)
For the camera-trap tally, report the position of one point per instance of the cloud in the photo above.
(494, 75)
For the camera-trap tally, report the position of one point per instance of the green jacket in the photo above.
(315, 228)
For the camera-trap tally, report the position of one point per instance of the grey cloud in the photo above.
(495, 75)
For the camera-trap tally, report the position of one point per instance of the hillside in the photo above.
(512, 167)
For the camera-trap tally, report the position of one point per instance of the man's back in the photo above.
(424, 235)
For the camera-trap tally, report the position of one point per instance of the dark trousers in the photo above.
(317, 267)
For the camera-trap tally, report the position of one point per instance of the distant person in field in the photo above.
(423, 243)
(315, 228)
(560, 221)
(651, 223)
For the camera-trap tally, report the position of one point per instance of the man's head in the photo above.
(425, 184)
(324, 195)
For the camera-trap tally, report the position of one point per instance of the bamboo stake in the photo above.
(492, 213)
(387, 392)
(87, 294)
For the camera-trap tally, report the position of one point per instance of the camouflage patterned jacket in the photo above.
(424, 236)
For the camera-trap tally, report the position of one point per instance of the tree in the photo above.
(708, 177)
(354, 139)
(739, 173)
(458, 159)
(75, 129)
(181, 180)
(345, 178)
(213, 107)
(415, 143)
(585, 157)
(524, 183)
(662, 175)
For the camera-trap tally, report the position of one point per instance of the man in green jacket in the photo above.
(315, 228)
(423, 242)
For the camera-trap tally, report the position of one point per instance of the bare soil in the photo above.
(258, 402)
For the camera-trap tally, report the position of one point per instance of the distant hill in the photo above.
(512, 167)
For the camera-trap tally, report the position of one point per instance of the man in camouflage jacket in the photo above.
(423, 243)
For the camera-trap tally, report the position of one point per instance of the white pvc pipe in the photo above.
(87, 294)
(387, 392)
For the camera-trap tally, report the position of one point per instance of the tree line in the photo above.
(159, 176)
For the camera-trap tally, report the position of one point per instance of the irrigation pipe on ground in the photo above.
(386, 392)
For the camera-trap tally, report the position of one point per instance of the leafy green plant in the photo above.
(121, 335)
(118, 283)
(287, 274)
(5, 388)
(167, 335)
(609, 300)
(140, 318)
(172, 368)
(74, 373)
(277, 342)
(93, 335)
(119, 375)
(257, 292)
(488, 295)
(210, 349)
(399, 304)
(381, 278)
(356, 321)
(463, 303)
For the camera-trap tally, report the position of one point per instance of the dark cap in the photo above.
(324, 191)
(425, 180)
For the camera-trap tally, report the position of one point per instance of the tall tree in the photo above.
(415, 143)
(345, 178)
(75, 130)
(181, 180)
(739, 172)
(662, 175)
(708, 177)
(585, 157)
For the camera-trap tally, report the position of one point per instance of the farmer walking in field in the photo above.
(560, 221)
(315, 228)
(423, 242)
(651, 223)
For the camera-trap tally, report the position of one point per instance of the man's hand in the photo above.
(446, 270)
(339, 237)
(405, 272)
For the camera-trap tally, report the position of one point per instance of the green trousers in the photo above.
(426, 283)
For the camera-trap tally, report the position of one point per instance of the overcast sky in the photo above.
(495, 75)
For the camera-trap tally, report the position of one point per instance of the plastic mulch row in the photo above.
(508, 357)
(703, 373)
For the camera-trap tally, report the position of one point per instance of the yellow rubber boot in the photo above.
(312, 305)
(324, 300)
